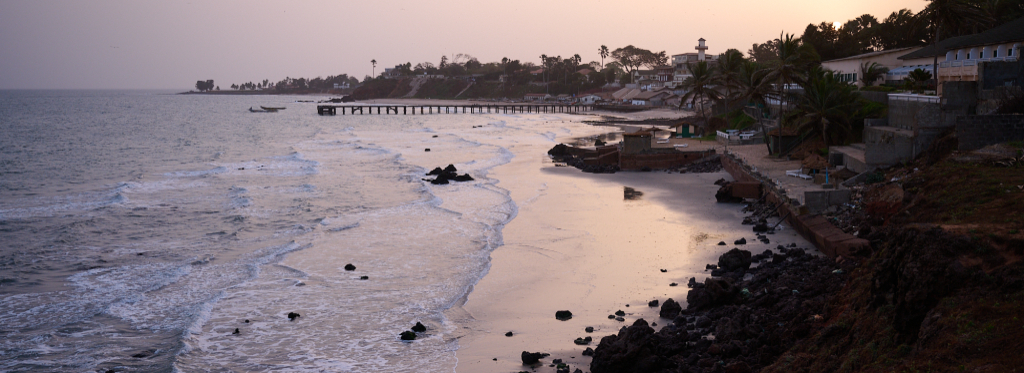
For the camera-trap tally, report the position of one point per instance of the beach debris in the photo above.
(364, 277)
(653, 303)
(583, 341)
(741, 241)
(670, 309)
(589, 329)
(630, 194)
(509, 334)
(530, 358)
(350, 267)
(588, 352)
(620, 313)
(236, 331)
(419, 327)
(724, 195)
(563, 315)
(408, 335)
(293, 315)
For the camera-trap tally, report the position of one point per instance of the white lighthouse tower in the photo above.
(700, 49)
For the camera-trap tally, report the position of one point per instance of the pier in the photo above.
(449, 109)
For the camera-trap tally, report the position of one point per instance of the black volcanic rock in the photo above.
(563, 315)
(735, 260)
(530, 358)
(670, 309)
(350, 267)
(419, 327)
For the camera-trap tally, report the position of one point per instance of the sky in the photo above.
(142, 44)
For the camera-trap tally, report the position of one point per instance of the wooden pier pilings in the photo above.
(450, 109)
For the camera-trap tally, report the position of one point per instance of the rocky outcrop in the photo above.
(752, 321)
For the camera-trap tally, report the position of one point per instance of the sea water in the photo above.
(140, 229)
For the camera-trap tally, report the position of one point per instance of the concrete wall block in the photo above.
(838, 197)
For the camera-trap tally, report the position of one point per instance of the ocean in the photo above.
(140, 229)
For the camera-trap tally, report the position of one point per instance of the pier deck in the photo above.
(450, 109)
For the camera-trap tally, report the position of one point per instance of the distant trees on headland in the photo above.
(204, 85)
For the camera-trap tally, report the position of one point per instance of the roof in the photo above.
(646, 72)
(871, 54)
(650, 94)
(1009, 32)
(537, 95)
(632, 93)
(1006, 33)
(934, 50)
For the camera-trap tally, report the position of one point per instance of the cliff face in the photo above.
(924, 302)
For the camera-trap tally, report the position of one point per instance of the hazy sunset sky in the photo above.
(171, 44)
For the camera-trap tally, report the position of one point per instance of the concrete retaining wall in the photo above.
(673, 159)
(829, 239)
(977, 131)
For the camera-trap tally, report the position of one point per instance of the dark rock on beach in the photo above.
(408, 335)
(530, 358)
(563, 315)
(292, 316)
(735, 260)
(653, 303)
(350, 267)
(419, 327)
(509, 334)
(670, 309)
(741, 241)
(753, 321)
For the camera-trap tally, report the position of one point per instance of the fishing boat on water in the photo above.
(269, 108)
(263, 110)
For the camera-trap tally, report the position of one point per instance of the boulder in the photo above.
(715, 291)
(653, 303)
(741, 241)
(408, 335)
(627, 351)
(435, 171)
(735, 260)
(563, 315)
(620, 313)
(450, 168)
(419, 327)
(589, 329)
(588, 352)
(292, 316)
(350, 267)
(509, 334)
(670, 309)
(530, 358)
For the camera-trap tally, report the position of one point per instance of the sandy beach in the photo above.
(577, 244)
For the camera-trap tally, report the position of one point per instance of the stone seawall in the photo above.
(828, 238)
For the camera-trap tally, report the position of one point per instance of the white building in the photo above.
(849, 68)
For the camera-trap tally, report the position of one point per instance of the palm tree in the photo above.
(699, 86)
(374, 62)
(951, 17)
(728, 72)
(603, 51)
(793, 57)
(826, 105)
(869, 73)
(754, 86)
(918, 78)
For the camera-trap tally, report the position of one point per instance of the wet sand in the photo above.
(577, 244)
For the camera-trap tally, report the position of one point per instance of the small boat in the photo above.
(265, 110)
(268, 108)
